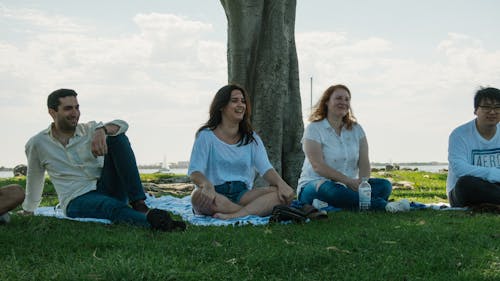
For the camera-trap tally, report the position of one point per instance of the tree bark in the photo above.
(262, 58)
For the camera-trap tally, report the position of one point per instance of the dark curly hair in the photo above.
(221, 99)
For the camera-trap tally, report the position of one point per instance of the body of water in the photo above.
(6, 174)
(10, 174)
(173, 171)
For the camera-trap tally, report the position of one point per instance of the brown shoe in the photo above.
(139, 206)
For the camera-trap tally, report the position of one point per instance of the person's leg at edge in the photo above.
(471, 190)
(381, 190)
(94, 204)
(120, 177)
(11, 196)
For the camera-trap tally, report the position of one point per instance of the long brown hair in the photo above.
(221, 99)
(320, 110)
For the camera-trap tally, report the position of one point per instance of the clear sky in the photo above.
(412, 67)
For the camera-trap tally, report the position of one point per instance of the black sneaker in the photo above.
(161, 220)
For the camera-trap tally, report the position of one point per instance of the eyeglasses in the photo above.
(488, 108)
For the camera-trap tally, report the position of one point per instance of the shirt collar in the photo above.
(325, 124)
(78, 130)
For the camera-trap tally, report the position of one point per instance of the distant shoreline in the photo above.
(157, 166)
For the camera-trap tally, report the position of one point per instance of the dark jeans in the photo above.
(341, 196)
(118, 185)
(471, 190)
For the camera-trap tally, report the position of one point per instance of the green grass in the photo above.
(428, 187)
(419, 245)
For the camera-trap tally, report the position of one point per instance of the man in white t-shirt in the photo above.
(474, 154)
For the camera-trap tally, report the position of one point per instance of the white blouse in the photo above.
(339, 152)
(221, 162)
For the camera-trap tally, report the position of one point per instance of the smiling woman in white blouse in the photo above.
(226, 155)
(337, 159)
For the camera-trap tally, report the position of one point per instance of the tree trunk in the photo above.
(263, 59)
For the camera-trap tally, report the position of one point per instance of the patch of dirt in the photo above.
(158, 189)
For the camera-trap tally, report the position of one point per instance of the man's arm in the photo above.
(35, 178)
(113, 128)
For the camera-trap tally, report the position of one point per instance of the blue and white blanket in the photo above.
(178, 206)
(183, 208)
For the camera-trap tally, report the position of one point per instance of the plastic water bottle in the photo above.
(365, 195)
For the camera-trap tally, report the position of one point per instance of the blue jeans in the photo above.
(341, 196)
(118, 185)
(233, 190)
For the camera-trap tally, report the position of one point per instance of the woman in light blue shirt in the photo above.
(337, 159)
(226, 156)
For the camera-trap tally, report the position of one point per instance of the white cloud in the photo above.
(407, 106)
(159, 79)
(162, 76)
(36, 20)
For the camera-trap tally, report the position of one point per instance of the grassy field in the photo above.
(418, 245)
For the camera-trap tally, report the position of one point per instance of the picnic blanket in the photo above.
(175, 205)
(183, 208)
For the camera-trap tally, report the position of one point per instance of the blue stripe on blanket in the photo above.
(182, 207)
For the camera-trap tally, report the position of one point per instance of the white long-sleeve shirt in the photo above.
(472, 155)
(73, 169)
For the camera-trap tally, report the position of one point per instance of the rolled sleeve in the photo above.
(123, 126)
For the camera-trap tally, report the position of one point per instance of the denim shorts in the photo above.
(233, 190)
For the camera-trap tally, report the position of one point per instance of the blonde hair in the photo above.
(320, 110)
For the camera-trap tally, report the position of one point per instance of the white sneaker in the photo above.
(400, 206)
(318, 204)
(5, 218)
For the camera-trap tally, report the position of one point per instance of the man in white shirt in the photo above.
(92, 167)
(474, 154)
